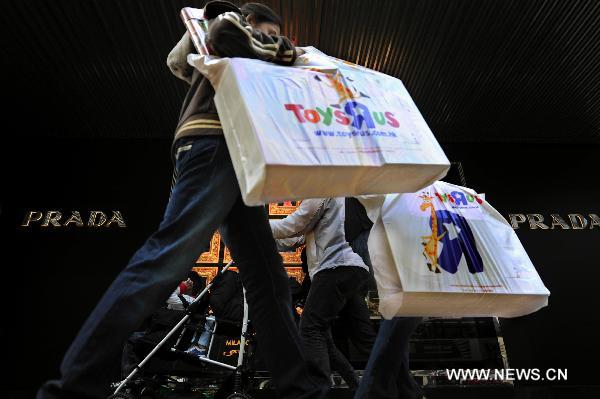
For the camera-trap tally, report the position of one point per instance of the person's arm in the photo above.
(229, 35)
(300, 222)
(177, 58)
(289, 244)
(173, 298)
(175, 302)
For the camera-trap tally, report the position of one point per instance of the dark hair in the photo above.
(199, 282)
(261, 13)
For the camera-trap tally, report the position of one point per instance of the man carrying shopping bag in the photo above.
(205, 196)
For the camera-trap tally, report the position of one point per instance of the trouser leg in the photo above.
(357, 319)
(387, 374)
(341, 364)
(204, 194)
(323, 304)
(247, 233)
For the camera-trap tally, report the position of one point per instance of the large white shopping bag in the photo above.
(325, 128)
(445, 251)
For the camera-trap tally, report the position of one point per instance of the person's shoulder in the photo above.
(332, 202)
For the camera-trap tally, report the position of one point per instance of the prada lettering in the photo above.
(572, 221)
(58, 219)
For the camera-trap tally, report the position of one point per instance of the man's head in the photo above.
(262, 18)
(198, 283)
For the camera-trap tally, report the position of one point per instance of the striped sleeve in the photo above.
(177, 58)
(231, 36)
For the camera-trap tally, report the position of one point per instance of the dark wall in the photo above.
(52, 278)
(546, 179)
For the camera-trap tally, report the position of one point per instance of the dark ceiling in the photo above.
(479, 70)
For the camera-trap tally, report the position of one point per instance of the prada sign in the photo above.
(572, 221)
(56, 219)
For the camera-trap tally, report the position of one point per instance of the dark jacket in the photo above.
(356, 220)
(226, 297)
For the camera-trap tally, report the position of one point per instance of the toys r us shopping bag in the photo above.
(445, 251)
(308, 132)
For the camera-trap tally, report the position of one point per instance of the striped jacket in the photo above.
(229, 36)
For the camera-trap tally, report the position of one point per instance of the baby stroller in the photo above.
(168, 371)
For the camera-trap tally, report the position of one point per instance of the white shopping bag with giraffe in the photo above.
(445, 251)
(325, 128)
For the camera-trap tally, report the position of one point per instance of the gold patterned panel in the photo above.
(296, 272)
(283, 208)
(292, 258)
(212, 255)
(207, 272)
(226, 256)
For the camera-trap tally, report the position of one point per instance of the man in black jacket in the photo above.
(205, 196)
(227, 298)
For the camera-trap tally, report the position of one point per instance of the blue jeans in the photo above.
(387, 374)
(205, 197)
(203, 338)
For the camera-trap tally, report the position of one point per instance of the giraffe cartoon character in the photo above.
(336, 81)
(431, 242)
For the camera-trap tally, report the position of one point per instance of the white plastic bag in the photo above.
(296, 133)
(445, 251)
